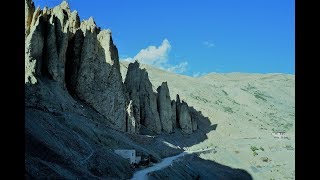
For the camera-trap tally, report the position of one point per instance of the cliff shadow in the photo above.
(170, 144)
(181, 139)
(193, 167)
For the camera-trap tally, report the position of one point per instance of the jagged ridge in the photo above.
(84, 61)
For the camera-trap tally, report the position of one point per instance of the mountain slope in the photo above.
(247, 108)
(78, 111)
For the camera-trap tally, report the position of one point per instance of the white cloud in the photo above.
(153, 55)
(209, 44)
(158, 56)
(198, 74)
(180, 68)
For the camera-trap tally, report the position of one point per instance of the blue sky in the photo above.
(197, 37)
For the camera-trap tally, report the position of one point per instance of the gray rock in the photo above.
(194, 124)
(185, 118)
(35, 16)
(73, 23)
(88, 25)
(174, 114)
(73, 60)
(91, 72)
(111, 51)
(132, 84)
(131, 122)
(178, 108)
(195, 116)
(144, 99)
(28, 10)
(56, 47)
(99, 83)
(82, 59)
(34, 45)
(164, 107)
(63, 13)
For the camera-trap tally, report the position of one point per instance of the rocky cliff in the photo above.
(83, 60)
(77, 55)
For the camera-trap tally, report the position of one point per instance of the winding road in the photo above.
(142, 174)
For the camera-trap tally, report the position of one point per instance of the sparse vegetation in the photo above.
(253, 148)
(288, 147)
(287, 126)
(225, 92)
(234, 102)
(199, 98)
(248, 88)
(259, 95)
(261, 148)
(218, 102)
(265, 159)
(228, 109)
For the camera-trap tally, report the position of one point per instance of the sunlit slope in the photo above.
(247, 108)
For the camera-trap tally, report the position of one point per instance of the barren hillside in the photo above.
(247, 108)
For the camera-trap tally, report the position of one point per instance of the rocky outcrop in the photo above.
(34, 44)
(82, 59)
(131, 122)
(98, 82)
(144, 99)
(78, 56)
(132, 84)
(178, 108)
(194, 124)
(174, 114)
(28, 11)
(195, 116)
(185, 122)
(74, 94)
(164, 107)
(184, 118)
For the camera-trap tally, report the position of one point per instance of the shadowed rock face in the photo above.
(174, 114)
(34, 44)
(193, 167)
(82, 59)
(78, 56)
(144, 99)
(131, 122)
(185, 118)
(98, 82)
(164, 107)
